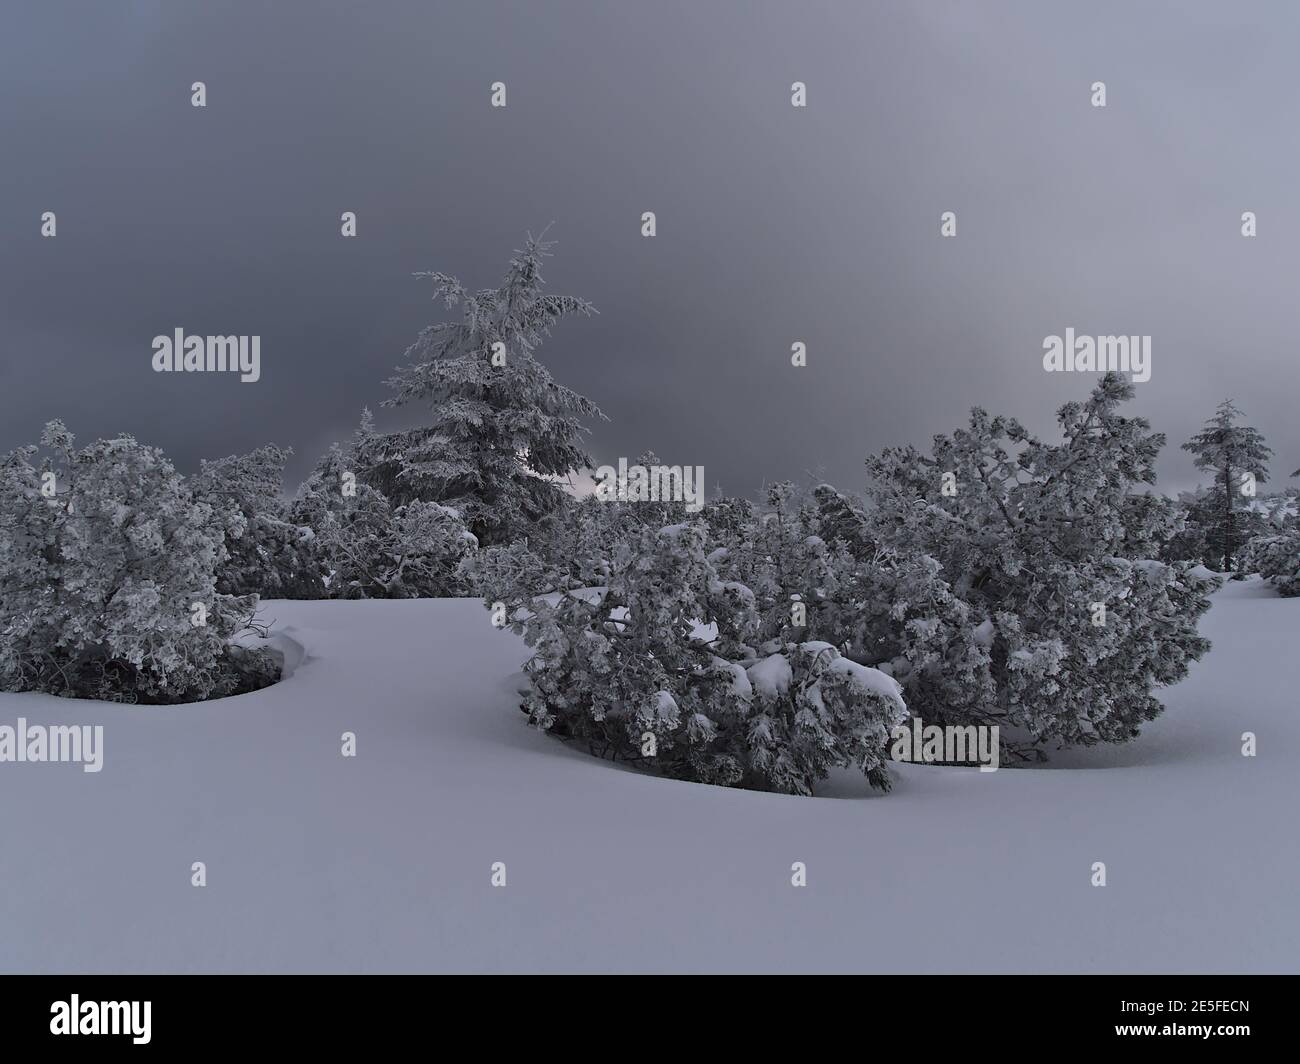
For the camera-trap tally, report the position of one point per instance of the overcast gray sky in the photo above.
(775, 224)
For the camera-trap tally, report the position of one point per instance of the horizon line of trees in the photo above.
(996, 579)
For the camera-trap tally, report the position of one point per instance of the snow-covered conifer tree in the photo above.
(1231, 451)
(502, 430)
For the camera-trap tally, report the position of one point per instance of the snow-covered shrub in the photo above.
(728, 517)
(812, 708)
(663, 664)
(575, 542)
(373, 549)
(1046, 615)
(998, 579)
(267, 554)
(1275, 552)
(576, 539)
(1277, 559)
(1192, 538)
(108, 578)
(812, 560)
(781, 561)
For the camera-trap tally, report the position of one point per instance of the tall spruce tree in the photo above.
(503, 431)
(1234, 453)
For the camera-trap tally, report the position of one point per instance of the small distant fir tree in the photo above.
(1234, 453)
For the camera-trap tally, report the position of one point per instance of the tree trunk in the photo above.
(1229, 524)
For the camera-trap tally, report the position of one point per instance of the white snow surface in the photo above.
(382, 862)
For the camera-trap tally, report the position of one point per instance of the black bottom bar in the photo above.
(378, 1012)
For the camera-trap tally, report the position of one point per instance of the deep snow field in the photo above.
(381, 863)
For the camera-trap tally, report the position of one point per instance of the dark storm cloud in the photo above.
(775, 224)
